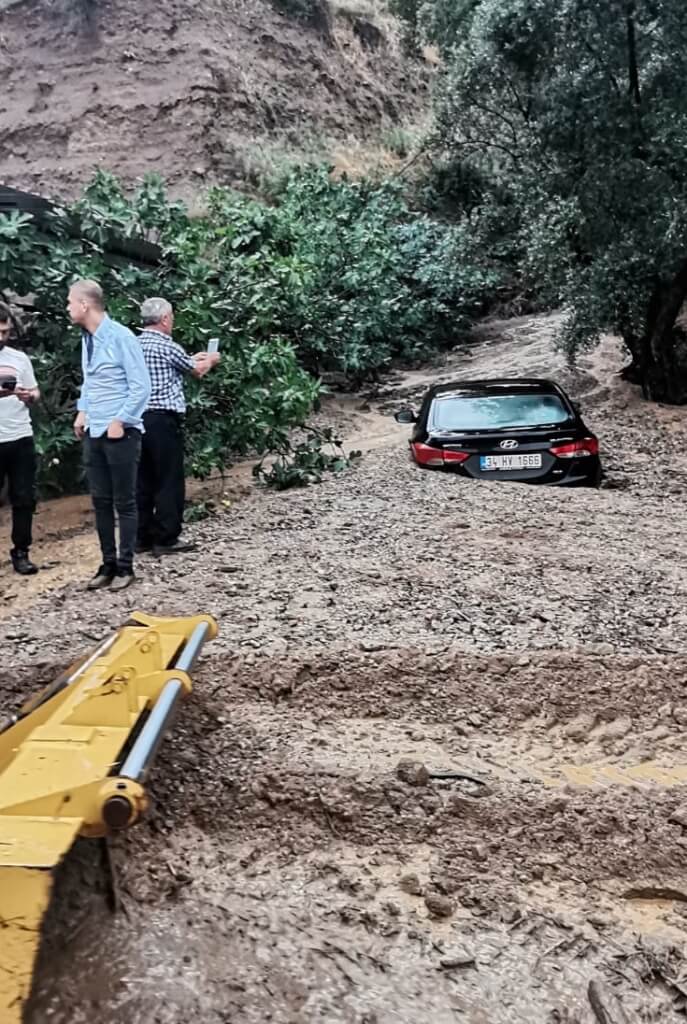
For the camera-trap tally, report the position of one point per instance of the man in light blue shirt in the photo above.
(114, 395)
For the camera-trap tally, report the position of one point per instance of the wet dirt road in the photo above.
(434, 768)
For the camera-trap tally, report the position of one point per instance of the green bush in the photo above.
(338, 277)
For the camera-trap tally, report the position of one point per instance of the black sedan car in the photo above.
(519, 429)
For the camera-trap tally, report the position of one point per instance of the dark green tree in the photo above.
(578, 110)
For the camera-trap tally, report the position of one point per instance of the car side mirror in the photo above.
(577, 407)
(405, 416)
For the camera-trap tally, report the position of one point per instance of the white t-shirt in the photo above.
(15, 420)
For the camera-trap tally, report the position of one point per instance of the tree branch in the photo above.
(633, 65)
(606, 1006)
(597, 57)
(498, 114)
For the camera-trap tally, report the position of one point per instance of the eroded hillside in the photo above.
(198, 90)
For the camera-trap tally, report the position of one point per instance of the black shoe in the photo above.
(177, 548)
(123, 579)
(22, 563)
(103, 577)
(142, 546)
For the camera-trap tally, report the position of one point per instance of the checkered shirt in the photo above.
(167, 363)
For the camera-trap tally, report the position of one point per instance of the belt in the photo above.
(165, 412)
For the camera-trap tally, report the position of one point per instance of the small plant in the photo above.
(305, 463)
(198, 511)
(400, 141)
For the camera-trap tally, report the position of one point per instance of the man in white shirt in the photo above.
(18, 390)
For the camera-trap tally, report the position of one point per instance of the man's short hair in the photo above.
(91, 291)
(8, 316)
(153, 310)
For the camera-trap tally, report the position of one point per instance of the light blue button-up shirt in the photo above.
(116, 382)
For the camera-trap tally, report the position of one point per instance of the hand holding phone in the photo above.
(25, 395)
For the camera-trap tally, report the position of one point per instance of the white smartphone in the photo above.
(213, 345)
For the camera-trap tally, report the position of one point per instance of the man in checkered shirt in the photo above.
(161, 483)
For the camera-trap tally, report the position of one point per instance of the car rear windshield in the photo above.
(496, 412)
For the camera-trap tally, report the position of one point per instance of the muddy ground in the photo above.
(433, 766)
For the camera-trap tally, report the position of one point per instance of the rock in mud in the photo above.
(454, 961)
(680, 715)
(601, 650)
(616, 729)
(580, 727)
(438, 905)
(481, 792)
(679, 816)
(510, 915)
(414, 773)
(460, 806)
(411, 884)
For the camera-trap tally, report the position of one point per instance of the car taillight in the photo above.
(576, 449)
(425, 455)
(455, 456)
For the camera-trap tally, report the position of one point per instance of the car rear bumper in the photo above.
(580, 473)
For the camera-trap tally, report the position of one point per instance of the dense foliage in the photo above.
(576, 113)
(336, 277)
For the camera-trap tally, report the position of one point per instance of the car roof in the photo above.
(531, 385)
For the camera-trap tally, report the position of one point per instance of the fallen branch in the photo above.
(461, 776)
(327, 815)
(606, 1004)
(567, 942)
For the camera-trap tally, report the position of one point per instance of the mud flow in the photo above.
(434, 767)
(391, 837)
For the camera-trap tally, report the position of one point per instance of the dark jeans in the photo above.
(161, 484)
(18, 467)
(112, 468)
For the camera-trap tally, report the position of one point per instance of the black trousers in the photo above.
(161, 483)
(18, 467)
(112, 469)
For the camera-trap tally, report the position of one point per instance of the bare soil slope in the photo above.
(198, 91)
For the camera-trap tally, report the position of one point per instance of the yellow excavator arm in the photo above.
(74, 761)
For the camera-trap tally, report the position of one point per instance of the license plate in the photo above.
(491, 462)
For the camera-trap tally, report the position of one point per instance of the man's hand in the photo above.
(26, 395)
(115, 431)
(80, 425)
(204, 362)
